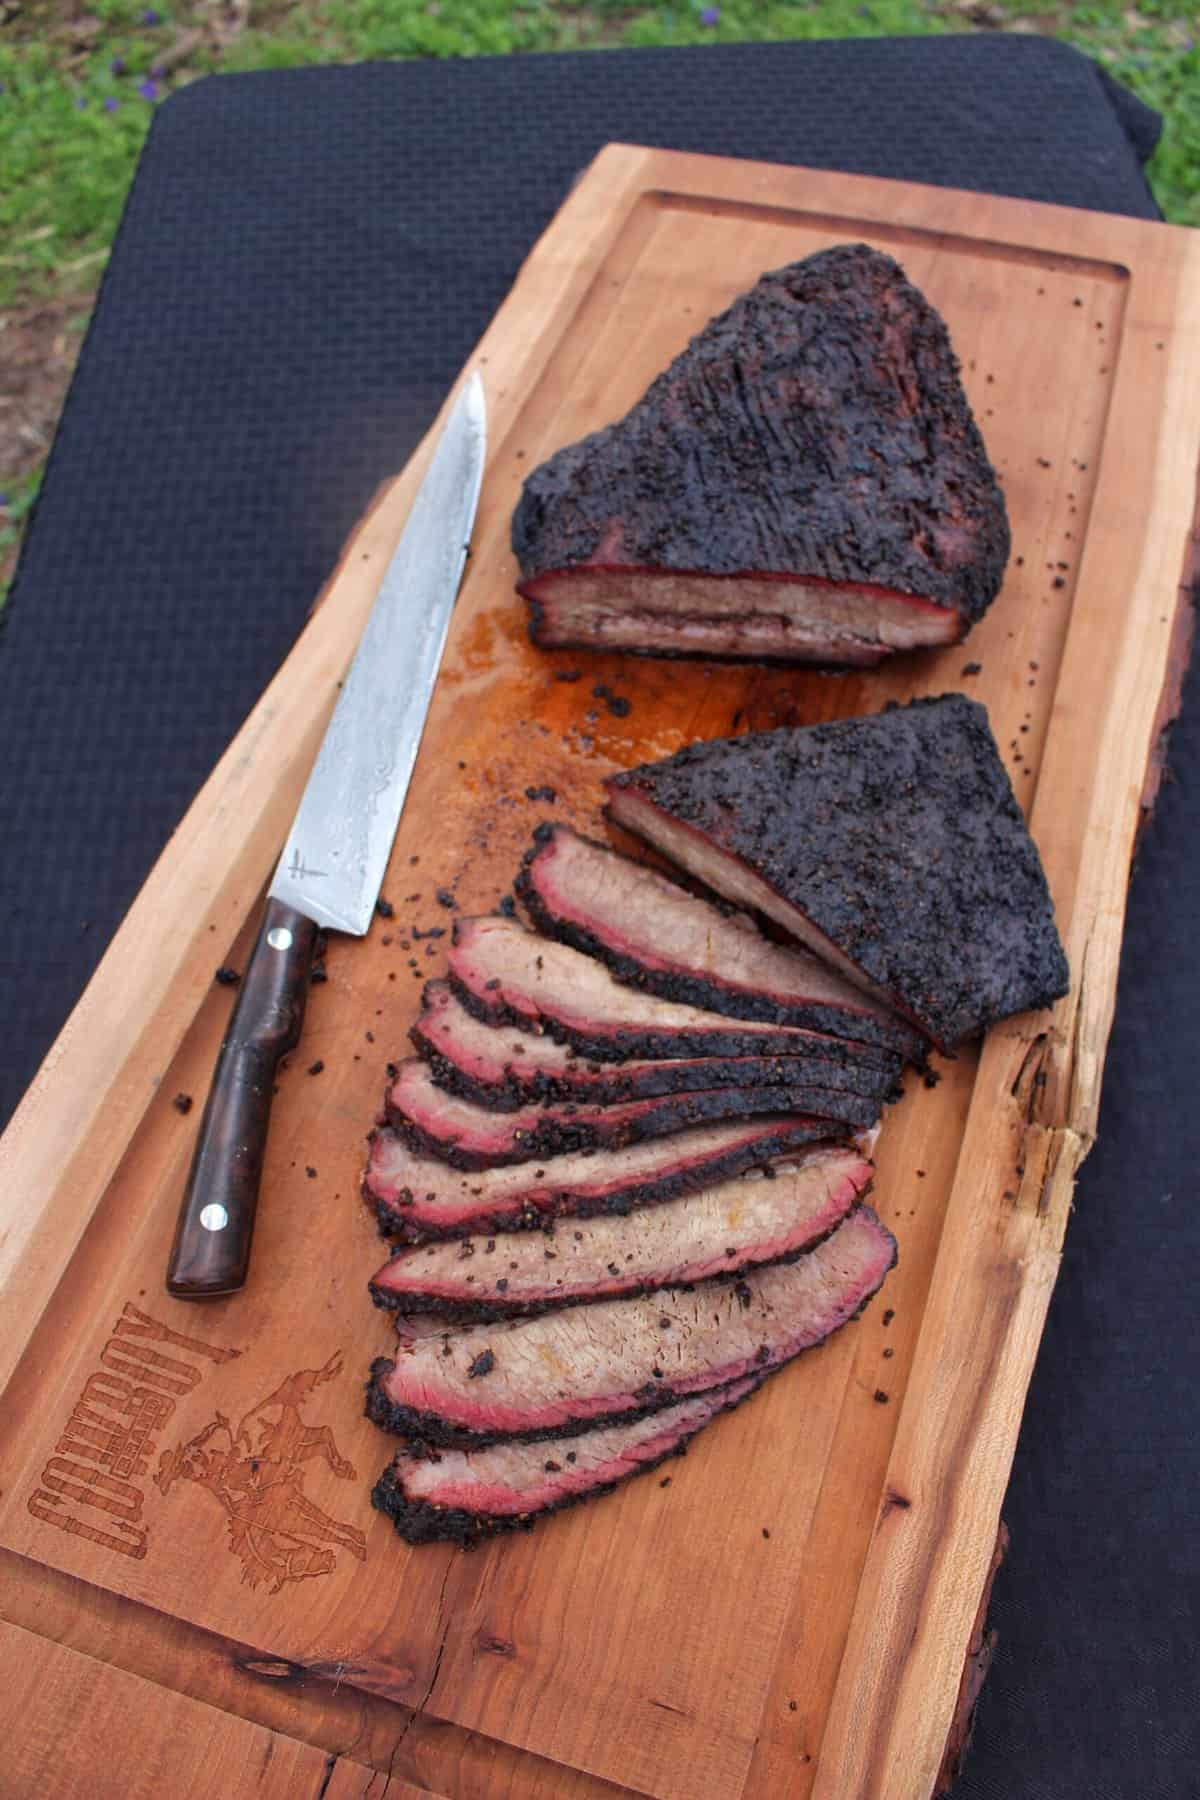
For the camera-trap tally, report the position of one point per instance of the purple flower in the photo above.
(111, 105)
(3, 499)
(150, 17)
(156, 71)
(117, 65)
(711, 15)
(80, 103)
(148, 90)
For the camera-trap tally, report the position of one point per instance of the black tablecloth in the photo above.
(305, 261)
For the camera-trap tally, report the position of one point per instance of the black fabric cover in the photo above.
(305, 261)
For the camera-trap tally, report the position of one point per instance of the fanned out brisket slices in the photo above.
(892, 845)
(580, 1367)
(474, 1137)
(805, 482)
(462, 1496)
(724, 1230)
(656, 936)
(506, 975)
(417, 1198)
(503, 1069)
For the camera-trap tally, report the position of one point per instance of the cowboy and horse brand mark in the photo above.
(256, 1473)
(92, 1487)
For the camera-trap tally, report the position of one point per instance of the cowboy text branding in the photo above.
(90, 1486)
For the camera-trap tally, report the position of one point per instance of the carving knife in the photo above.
(333, 863)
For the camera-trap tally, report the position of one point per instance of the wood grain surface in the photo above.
(184, 1490)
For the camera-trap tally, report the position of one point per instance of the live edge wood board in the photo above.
(789, 1615)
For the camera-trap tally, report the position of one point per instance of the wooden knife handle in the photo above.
(211, 1252)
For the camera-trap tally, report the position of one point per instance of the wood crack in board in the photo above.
(418, 1710)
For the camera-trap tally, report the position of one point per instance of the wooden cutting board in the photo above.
(184, 1490)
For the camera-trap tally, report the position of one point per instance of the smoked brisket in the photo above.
(474, 1137)
(418, 1198)
(723, 1231)
(462, 1496)
(508, 976)
(806, 481)
(656, 936)
(504, 1069)
(891, 845)
(580, 1367)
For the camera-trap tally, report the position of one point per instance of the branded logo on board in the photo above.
(256, 1473)
(91, 1486)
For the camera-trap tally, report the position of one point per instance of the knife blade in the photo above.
(333, 862)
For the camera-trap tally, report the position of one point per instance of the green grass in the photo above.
(74, 107)
(68, 161)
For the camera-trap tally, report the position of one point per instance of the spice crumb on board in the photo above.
(315, 1068)
(310, 1172)
(880, 1397)
(182, 1103)
(226, 977)
(384, 908)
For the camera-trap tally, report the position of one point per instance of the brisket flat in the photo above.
(806, 481)
(462, 1496)
(474, 1137)
(656, 936)
(584, 1366)
(891, 845)
(504, 1069)
(508, 976)
(417, 1198)
(724, 1230)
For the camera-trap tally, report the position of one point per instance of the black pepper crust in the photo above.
(491, 1312)
(668, 1184)
(629, 1045)
(613, 1086)
(899, 837)
(657, 1080)
(817, 427)
(422, 1522)
(844, 1033)
(672, 1113)
(429, 1428)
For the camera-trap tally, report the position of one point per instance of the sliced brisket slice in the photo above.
(474, 1137)
(508, 976)
(417, 1198)
(466, 1495)
(584, 1366)
(656, 936)
(891, 845)
(724, 1230)
(503, 1069)
(806, 481)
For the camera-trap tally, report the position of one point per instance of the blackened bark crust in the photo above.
(842, 1032)
(423, 1522)
(818, 427)
(564, 1134)
(899, 837)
